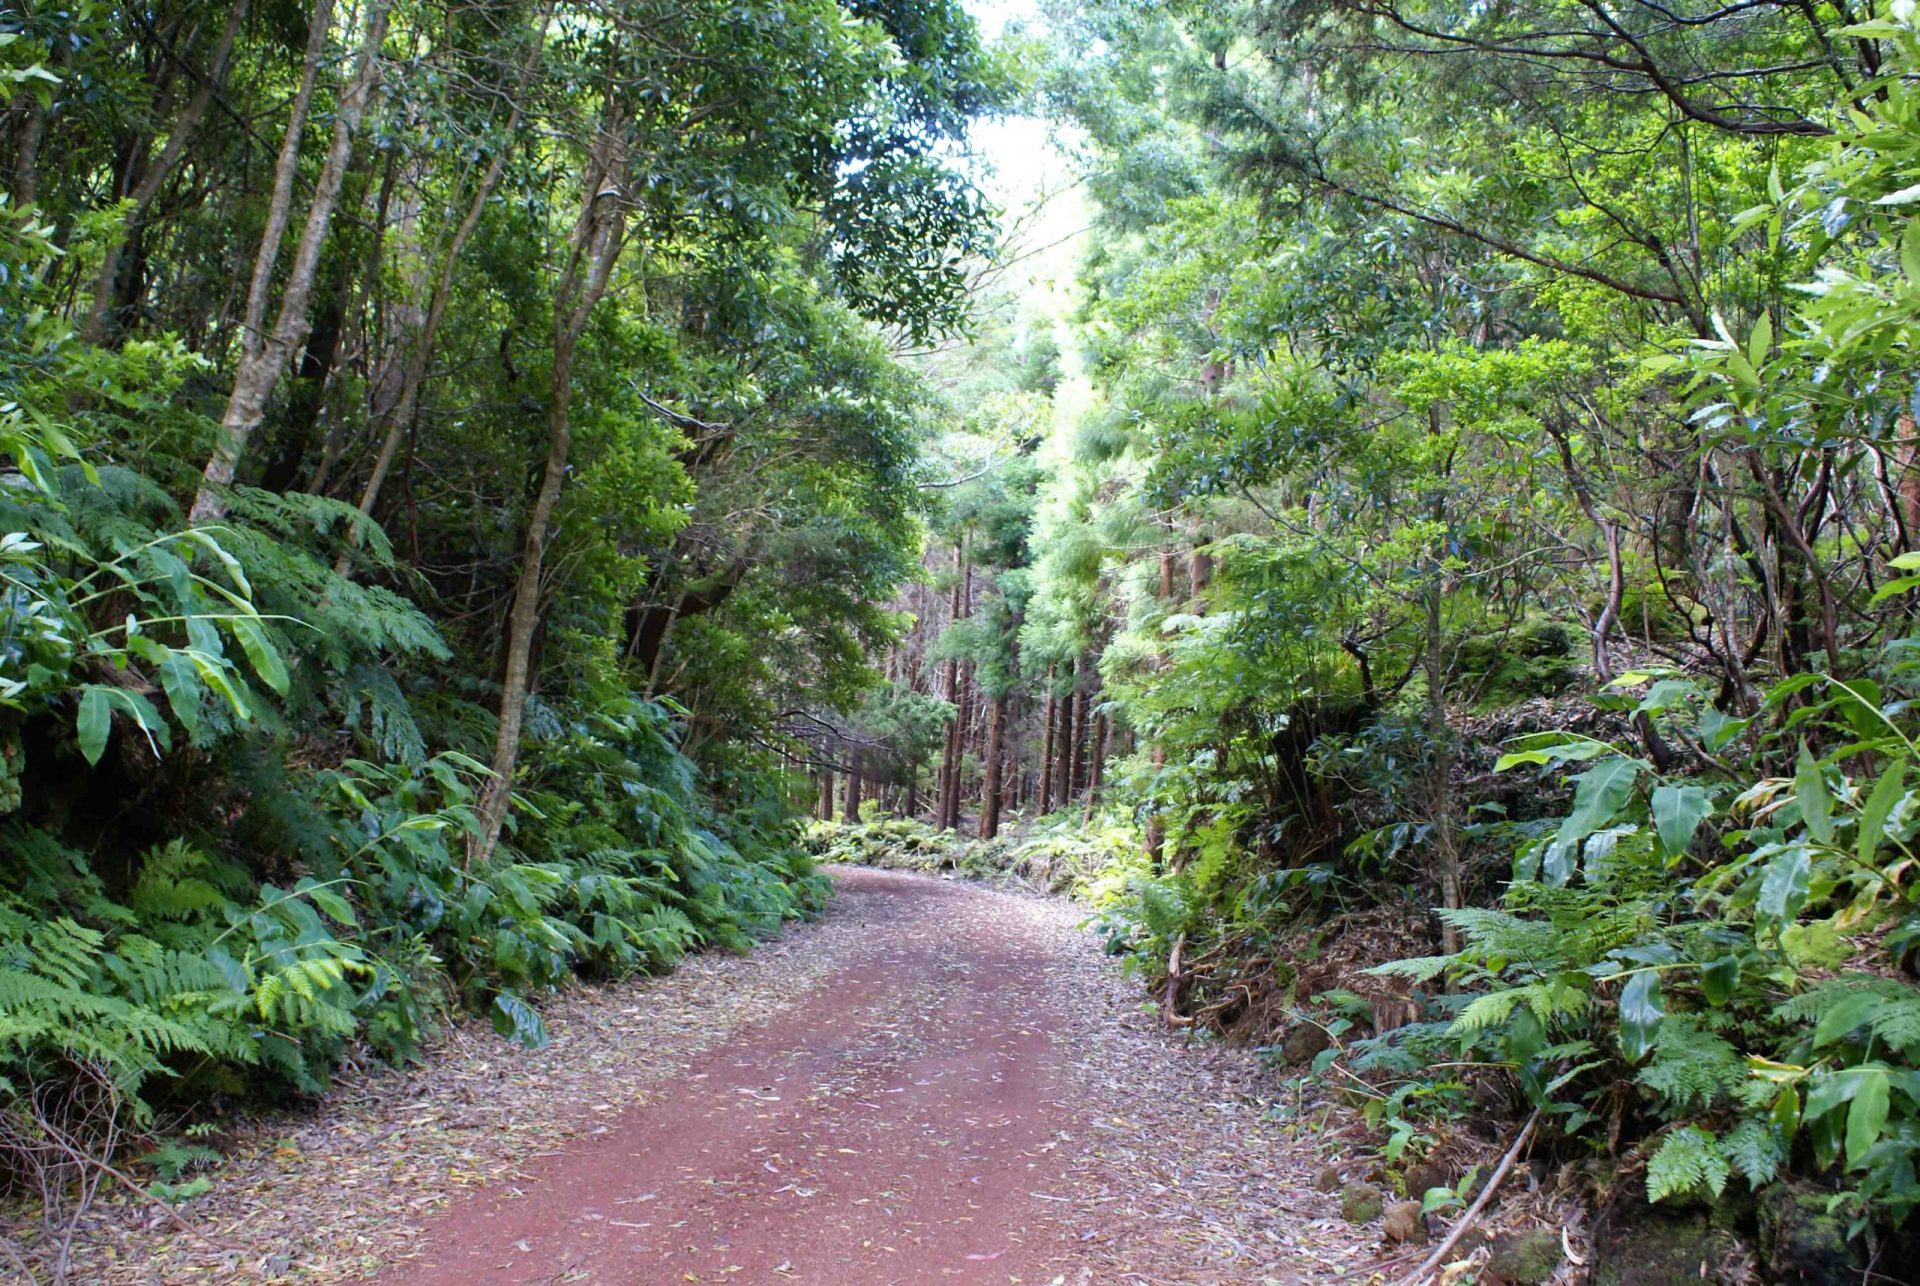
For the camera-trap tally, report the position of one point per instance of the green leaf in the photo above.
(329, 902)
(1842, 1017)
(1783, 888)
(1688, 1161)
(1760, 342)
(93, 723)
(1718, 978)
(1677, 814)
(261, 652)
(1815, 800)
(182, 686)
(1868, 1113)
(1598, 794)
(1786, 1113)
(1898, 585)
(515, 1019)
(1886, 796)
(1641, 1009)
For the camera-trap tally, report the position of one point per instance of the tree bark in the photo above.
(1156, 820)
(963, 729)
(825, 810)
(1046, 748)
(263, 357)
(991, 784)
(394, 415)
(1095, 766)
(851, 813)
(950, 686)
(155, 175)
(594, 246)
(1077, 746)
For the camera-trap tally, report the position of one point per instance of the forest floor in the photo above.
(937, 1082)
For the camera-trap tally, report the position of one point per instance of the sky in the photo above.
(1032, 181)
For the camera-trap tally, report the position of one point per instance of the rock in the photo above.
(1525, 1258)
(1304, 1041)
(1405, 1222)
(1642, 1246)
(1360, 1202)
(1802, 1241)
(1328, 1180)
(1423, 1175)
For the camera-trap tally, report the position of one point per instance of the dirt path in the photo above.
(937, 1083)
(902, 1123)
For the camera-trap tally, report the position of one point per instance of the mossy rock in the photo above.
(1361, 1203)
(1641, 1245)
(1803, 1243)
(1525, 1258)
(1537, 658)
(1304, 1042)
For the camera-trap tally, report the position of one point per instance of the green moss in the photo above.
(1539, 657)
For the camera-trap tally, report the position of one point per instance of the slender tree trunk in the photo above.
(593, 248)
(1077, 746)
(1046, 748)
(963, 726)
(991, 783)
(1095, 765)
(264, 357)
(851, 814)
(950, 688)
(158, 170)
(394, 415)
(825, 809)
(1062, 749)
(1156, 820)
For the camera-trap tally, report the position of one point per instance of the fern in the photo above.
(1890, 1010)
(1688, 1162)
(1756, 1150)
(1691, 1069)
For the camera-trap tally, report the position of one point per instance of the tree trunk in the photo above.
(1077, 746)
(991, 777)
(394, 414)
(1156, 821)
(1062, 749)
(826, 795)
(963, 725)
(851, 813)
(950, 676)
(1095, 765)
(1046, 749)
(185, 126)
(264, 358)
(594, 245)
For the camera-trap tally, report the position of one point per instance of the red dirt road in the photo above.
(902, 1122)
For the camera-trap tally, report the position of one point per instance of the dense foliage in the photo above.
(1479, 481)
(439, 439)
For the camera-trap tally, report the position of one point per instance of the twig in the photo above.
(1441, 1251)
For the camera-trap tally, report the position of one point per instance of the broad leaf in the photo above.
(1598, 794)
(1868, 1113)
(1641, 1009)
(1718, 978)
(1886, 796)
(1842, 1017)
(261, 652)
(94, 722)
(1783, 889)
(1677, 814)
(1815, 799)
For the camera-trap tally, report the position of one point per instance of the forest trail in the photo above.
(937, 1081)
(922, 1113)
